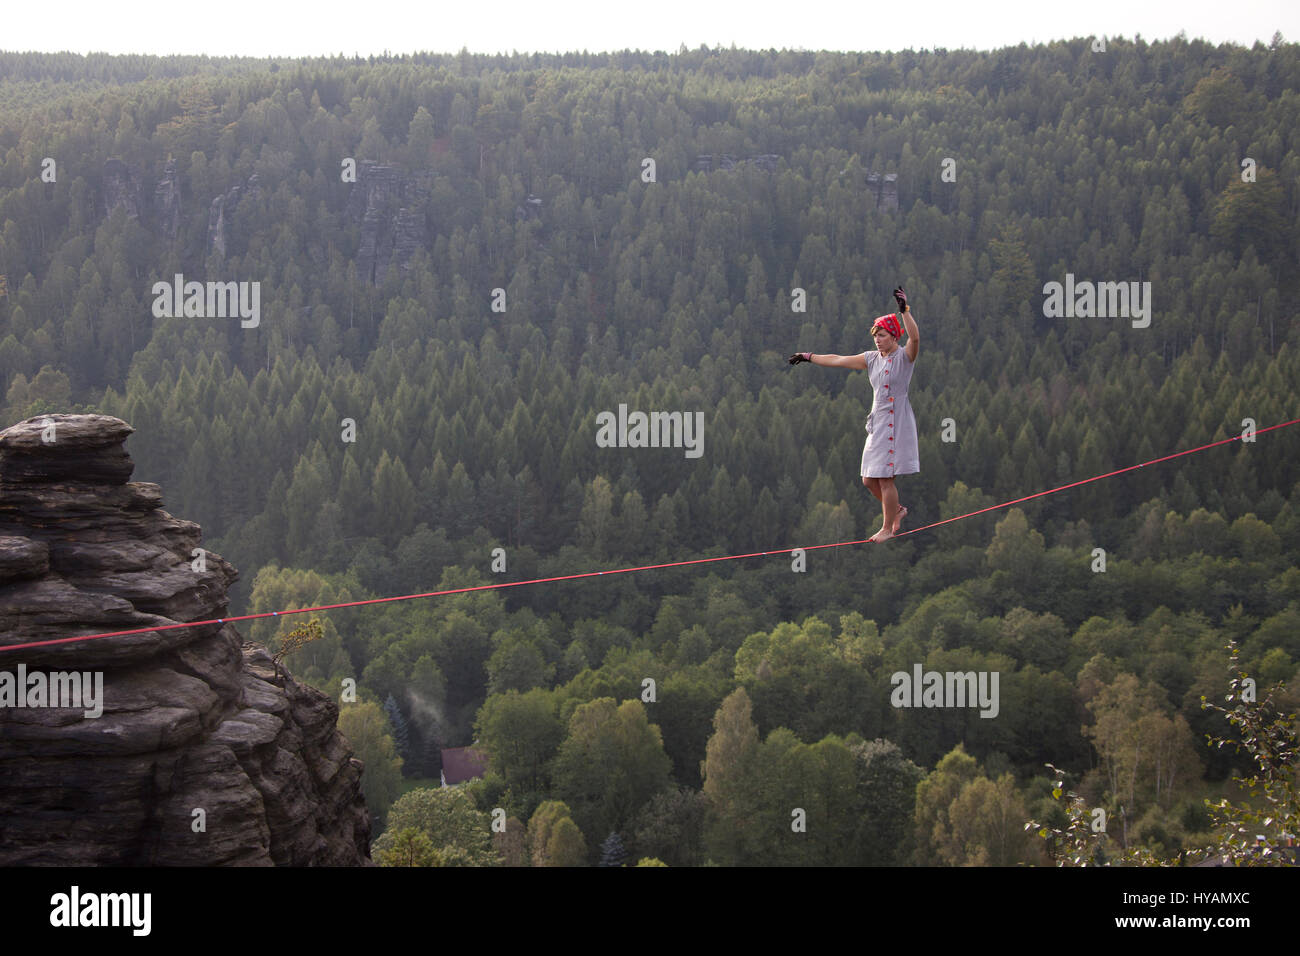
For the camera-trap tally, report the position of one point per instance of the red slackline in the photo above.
(646, 567)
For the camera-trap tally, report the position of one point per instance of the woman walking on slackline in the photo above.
(891, 448)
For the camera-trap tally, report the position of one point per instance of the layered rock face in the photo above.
(125, 186)
(121, 188)
(388, 202)
(768, 162)
(167, 201)
(885, 190)
(193, 719)
(224, 206)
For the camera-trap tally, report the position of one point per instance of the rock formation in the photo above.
(389, 204)
(193, 718)
(529, 209)
(167, 202)
(224, 206)
(885, 189)
(124, 187)
(768, 162)
(121, 188)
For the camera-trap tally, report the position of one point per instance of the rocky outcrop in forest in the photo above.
(121, 189)
(193, 719)
(768, 162)
(167, 202)
(885, 189)
(388, 203)
(224, 206)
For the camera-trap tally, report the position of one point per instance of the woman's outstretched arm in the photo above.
(858, 361)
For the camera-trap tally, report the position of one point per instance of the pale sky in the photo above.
(272, 27)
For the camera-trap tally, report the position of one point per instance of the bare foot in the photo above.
(898, 522)
(881, 535)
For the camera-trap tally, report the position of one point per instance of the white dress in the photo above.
(891, 448)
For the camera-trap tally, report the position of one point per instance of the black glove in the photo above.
(901, 298)
(800, 357)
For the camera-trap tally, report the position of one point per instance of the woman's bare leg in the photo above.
(889, 505)
(902, 512)
(873, 486)
(898, 522)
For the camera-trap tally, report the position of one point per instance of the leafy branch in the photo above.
(298, 638)
(1244, 835)
(1079, 844)
(1249, 835)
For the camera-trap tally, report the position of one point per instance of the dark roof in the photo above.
(462, 763)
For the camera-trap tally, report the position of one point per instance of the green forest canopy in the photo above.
(475, 428)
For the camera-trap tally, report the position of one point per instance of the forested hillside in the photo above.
(464, 260)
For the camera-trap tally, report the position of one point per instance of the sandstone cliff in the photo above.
(167, 202)
(121, 187)
(388, 202)
(222, 208)
(885, 190)
(193, 718)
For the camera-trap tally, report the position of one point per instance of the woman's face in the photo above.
(884, 341)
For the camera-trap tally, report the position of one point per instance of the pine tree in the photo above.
(612, 851)
(400, 733)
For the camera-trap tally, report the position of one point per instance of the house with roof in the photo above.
(460, 764)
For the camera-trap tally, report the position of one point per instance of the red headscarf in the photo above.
(890, 324)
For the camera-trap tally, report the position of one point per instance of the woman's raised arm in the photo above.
(909, 323)
(913, 336)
